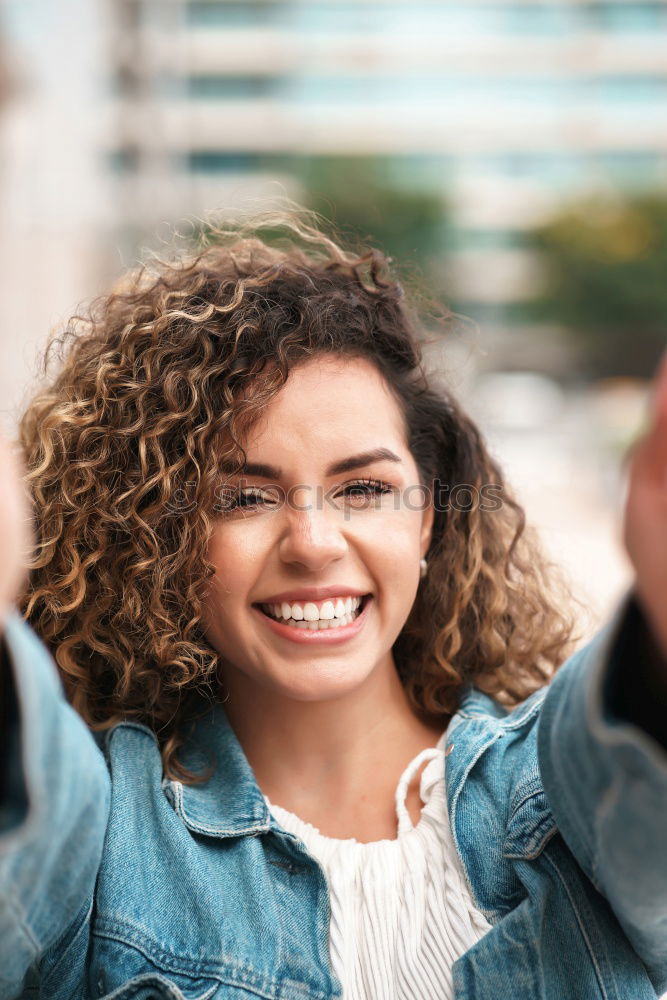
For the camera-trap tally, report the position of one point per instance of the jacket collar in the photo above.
(476, 703)
(229, 803)
(478, 723)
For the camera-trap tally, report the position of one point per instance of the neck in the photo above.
(305, 753)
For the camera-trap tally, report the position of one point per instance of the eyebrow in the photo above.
(335, 469)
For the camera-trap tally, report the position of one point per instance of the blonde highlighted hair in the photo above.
(151, 397)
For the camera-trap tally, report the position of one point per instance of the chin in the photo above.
(319, 688)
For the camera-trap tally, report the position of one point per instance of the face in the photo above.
(313, 529)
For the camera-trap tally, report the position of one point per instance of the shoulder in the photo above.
(475, 704)
(496, 801)
(486, 733)
(492, 761)
(132, 754)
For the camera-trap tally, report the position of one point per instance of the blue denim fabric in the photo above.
(115, 883)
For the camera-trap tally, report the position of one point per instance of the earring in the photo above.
(423, 568)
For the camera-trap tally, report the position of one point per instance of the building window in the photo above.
(124, 160)
(628, 17)
(217, 162)
(450, 18)
(229, 88)
(629, 89)
(633, 168)
(246, 14)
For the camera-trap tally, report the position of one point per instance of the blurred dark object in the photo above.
(7, 72)
(606, 281)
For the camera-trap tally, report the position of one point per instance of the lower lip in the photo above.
(320, 636)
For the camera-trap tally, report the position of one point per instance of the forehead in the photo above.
(329, 398)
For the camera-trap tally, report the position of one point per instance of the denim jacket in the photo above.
(115, 883)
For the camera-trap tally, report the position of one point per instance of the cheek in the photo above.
(391, 548)
(225, 592)
(234, 557)
(399, 530)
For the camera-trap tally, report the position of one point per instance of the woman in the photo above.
(285, 587)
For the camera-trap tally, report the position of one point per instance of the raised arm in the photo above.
(602, 738)
(54, 793)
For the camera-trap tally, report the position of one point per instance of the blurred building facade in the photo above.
(508, 108)
(55, 200)
(125, 117)
(128, 116)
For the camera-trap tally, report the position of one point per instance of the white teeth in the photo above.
(331, 610)
(321, 623)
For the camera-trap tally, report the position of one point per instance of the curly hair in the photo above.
(150, 400)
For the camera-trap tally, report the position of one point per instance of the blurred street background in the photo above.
(511, 157)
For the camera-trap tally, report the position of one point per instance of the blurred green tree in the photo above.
(606, 280)
(365, 200)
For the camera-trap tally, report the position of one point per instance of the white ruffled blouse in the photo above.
(401, 911)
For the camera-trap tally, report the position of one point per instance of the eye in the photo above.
(247, 499)
(366, 489)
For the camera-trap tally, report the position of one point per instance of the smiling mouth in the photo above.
(321, 623)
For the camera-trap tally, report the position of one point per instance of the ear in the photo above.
(426, 531)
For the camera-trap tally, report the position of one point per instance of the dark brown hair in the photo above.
(157, 386)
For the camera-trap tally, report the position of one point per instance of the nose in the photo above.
(312, 537)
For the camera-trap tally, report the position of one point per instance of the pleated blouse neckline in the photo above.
(401, 910)
(432, 773)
